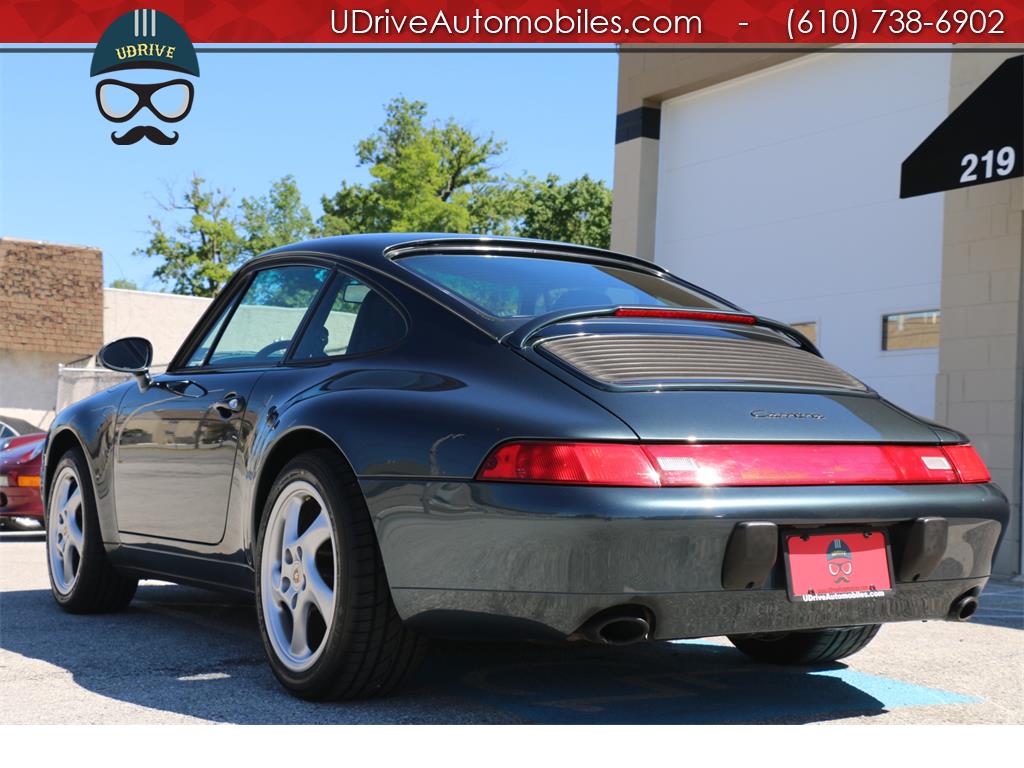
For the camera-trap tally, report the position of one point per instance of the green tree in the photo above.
(440, 177)
(579, 211)
(211, 237)
(124, 283)
(426, 177)
(200, 252)
(276, 219)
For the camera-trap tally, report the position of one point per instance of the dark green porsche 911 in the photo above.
(385, 437)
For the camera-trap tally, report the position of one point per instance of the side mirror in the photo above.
(129, 355)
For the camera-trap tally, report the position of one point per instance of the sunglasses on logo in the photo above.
(119, 101)
(835, 570)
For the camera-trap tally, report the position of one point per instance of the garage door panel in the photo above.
(793, 181)
(823, 92)
(781, 191)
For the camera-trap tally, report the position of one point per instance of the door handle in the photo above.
(184, 388)
(233, 403)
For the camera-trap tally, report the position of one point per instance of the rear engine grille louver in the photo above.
(636, 360)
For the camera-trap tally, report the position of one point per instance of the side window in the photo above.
(262, 326)
(352, 319)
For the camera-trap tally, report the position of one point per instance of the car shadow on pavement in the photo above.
(194, 654)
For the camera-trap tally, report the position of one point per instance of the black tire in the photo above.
(98, 586)
(368, 651)
(809, 647)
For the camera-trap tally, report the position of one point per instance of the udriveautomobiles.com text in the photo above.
(363, 22)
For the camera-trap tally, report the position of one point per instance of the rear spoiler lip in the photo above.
(519, 338)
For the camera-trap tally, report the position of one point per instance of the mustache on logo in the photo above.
(841, 578)
(140, 132)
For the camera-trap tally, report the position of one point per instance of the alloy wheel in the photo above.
(297, 576)
(66, 530)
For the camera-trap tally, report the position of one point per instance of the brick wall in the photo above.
(51, 298)
(979, 387)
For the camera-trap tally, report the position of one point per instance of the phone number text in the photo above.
(848, 23)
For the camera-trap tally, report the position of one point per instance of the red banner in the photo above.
(454, 22)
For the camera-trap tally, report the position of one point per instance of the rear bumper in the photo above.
(676, 615)
(20, 502)
(533, 559)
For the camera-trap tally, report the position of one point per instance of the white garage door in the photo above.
(781, 192)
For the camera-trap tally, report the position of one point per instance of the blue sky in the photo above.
(257, 117)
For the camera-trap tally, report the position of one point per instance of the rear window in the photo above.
(520, 286)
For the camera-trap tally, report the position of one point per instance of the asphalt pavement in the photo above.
(180, 655)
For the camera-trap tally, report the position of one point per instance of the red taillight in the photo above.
(746, 464)
(570, 464)
(687, 314)
(799, 464)
(968, 464)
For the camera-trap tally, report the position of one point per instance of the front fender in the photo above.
(90, 425)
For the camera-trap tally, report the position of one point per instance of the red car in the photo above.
(19, 477)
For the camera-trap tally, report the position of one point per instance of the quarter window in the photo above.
(352, 319)
(911, 330)
(261, 328)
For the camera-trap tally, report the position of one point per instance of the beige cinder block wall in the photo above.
(163, 318)
(980, 386)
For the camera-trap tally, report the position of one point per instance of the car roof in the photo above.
(378, 249)
(20, 426)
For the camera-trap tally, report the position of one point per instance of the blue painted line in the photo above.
(896, 693)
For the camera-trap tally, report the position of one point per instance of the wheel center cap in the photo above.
(297, 575)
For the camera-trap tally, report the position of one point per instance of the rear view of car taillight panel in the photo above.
(725, 465)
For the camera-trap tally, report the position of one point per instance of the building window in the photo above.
(808, 329)
(911, 330)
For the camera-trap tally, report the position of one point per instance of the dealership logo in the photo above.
(839, 560)
(143, 47)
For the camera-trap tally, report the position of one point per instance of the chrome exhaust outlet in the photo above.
(963, 608)
(617, 626)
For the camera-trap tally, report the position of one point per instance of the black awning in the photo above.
(981, 141)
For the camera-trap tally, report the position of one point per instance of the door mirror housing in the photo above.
(131, 355)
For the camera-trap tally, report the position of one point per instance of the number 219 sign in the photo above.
(981, 141)
(991, 165)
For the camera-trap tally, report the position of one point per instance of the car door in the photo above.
(176, 441)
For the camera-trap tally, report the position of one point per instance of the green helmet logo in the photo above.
(144, 39)
(839, 560)
(140, 40)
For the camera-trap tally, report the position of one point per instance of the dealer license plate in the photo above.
(838, 566)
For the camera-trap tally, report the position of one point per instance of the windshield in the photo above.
(523, 287)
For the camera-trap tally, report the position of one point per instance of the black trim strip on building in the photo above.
(639, 123)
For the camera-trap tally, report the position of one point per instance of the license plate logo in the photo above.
(838, 566)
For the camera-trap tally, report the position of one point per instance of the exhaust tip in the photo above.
(963, 608)
(623, 631)
(622, 625)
